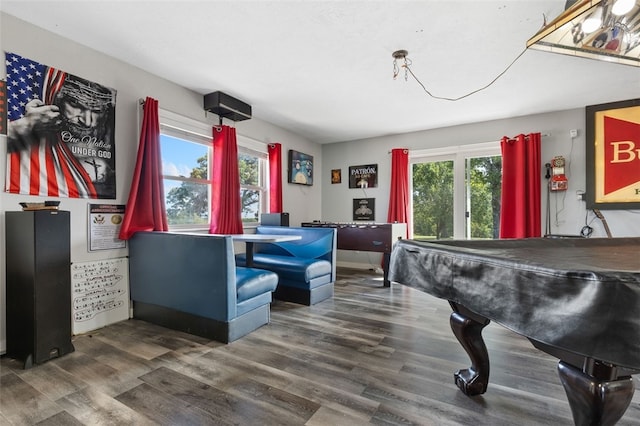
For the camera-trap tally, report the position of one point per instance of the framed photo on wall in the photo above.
(613, 155)
(364, 209)
(336, 175)
(300, 168)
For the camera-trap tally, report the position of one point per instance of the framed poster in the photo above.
(105, 221)
(363, 176)
(613, 155)
(69, 122)
(300, 168)
(336, 175)
(364, 209)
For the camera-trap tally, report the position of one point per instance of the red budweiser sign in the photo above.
(621, 153)
(613, 155)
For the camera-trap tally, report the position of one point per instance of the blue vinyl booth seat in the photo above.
(190, 283)
(306, 268)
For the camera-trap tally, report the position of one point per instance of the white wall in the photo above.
(132, 84)
(567, 213)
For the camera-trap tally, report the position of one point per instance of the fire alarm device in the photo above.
(558, 181)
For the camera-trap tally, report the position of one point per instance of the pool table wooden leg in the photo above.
(600, 400)
(467, 327)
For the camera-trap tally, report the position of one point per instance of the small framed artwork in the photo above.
(365, 176)
(364, 209)
(336, 175)
(613, 155)
(300, 168)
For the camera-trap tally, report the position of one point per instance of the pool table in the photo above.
(577, 299)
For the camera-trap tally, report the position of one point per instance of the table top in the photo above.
(264, 238)
(350, 224)
(581, 295)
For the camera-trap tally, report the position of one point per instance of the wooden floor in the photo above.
(372, 355)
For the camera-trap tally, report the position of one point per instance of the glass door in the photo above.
(456, 192)
(433, 200)
(483, 179)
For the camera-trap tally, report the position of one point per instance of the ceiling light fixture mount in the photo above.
(401, 55)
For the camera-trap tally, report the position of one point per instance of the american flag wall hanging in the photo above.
(60, 133)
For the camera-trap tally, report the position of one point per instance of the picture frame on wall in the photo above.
(364, 209)
(365, 176)
(300, 168)
(613, 155)
(336, 176)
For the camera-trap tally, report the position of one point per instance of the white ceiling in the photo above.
(323, 69)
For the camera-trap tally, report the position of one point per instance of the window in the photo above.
(187, 152)
(253, 190)
(185, 170)
(456, 192)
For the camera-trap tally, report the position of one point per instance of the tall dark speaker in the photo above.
(38, 292)
(274, 219)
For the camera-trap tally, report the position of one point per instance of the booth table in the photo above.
(576, 299)
(250, 239)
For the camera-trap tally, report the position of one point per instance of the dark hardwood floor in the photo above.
(372, 355)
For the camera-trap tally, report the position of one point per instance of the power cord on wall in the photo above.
(587, 230)
(604, 222)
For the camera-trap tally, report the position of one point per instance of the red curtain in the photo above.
(521, 176)
(275, 178)
(145, 208)
(226, 208)
(399, 195)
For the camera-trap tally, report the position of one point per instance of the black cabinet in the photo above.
(38, 292)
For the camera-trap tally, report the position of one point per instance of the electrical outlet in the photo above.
(573, 133)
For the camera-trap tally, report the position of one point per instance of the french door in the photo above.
(456, 192)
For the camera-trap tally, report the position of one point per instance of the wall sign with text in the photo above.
(68, 123)
(105, 221)
(613, 155)
(364, 209)
(365, 176)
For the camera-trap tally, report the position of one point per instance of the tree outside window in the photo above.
(477, 187)
(187, 185)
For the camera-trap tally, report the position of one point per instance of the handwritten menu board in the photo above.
(99, 293)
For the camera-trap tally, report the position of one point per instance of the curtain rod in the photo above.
(544, 135)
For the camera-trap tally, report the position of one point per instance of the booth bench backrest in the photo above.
(193, 273)
(316, 243)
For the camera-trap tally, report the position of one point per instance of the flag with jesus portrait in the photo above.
(60, 133)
